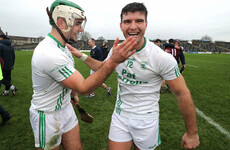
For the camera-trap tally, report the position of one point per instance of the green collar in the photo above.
(142, 46)
(59, 44)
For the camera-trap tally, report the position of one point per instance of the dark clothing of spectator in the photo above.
(177, 54)
(8, 56)
(105, 51)
(4, 81)
(170, 48)
(181, 57)
(1, 62)
(96, 53)
(169, 45)
(5, 115)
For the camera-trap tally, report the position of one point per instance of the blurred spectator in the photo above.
(4, 114)
(180, 56)
(96, 53)
(8, 56)
(105, 49)
(157, 42)
(175, 50)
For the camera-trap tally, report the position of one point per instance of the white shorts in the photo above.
(144, 133)
(49, 127)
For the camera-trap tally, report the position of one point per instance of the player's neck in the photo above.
(140, 44)
(58, 37)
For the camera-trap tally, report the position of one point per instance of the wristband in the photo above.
(83, 57)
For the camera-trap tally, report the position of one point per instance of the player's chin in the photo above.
(74, 38)
(135, 37)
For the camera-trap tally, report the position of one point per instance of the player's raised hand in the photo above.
(124, 50)
(190, 141)
(74, 51)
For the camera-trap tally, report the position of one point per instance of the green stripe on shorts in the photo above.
(42, 129)
(159, 137)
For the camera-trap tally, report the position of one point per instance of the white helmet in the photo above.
(68, 10)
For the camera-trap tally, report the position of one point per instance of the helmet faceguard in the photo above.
(69, 14)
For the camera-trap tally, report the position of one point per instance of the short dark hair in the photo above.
(92, 39)
(171, 41)
(157, 40)
(4, 36)
(134, 7)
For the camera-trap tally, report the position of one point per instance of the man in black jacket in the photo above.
(96, 53)
(4, 113)
(105, 49)
(180, 56)
(8, 56)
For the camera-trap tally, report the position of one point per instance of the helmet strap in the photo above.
(52, 21)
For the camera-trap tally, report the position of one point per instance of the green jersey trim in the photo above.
(42, 129)
(65, 72)
(119, 102)
(158, 140)
(142, 46)
(177, 72)
(61, 98)
(59, 44)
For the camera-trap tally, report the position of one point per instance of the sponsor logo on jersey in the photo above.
(143, 65)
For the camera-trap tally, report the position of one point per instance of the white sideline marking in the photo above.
(193, 66)
(212, 122)
(85, 50)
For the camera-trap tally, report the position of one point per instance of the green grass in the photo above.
(206, 75)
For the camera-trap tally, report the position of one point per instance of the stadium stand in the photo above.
(203, 46)
(26, 43)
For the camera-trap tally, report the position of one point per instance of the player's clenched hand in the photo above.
(190, 141)
(74, 51)
(122, 51)
(75, 99)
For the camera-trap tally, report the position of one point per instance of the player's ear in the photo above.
(61, 23)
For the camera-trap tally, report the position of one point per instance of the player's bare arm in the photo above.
(92, 63)
(83, 86)
(186, 105)
(118, 52)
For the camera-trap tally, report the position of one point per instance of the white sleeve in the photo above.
(58, 67)
(169, 68)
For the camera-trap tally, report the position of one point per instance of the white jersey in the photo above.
(51, 64)
(139, 81)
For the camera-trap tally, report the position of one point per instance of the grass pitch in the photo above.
(206, 75)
